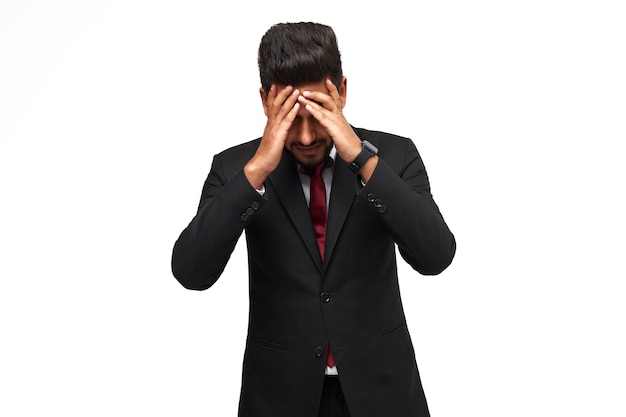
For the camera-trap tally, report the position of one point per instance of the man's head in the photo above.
(298, 54)
(302, 55)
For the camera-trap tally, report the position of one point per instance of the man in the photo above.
(327, 334)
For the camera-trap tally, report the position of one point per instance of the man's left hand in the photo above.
(327, 109)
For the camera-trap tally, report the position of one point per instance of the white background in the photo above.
(111, 111)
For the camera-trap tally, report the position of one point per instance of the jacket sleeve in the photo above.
(401, 195)
(227, 205)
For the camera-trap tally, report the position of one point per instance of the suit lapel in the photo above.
(342, 195)
(286, 184)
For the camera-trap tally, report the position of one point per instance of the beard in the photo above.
(311, 161)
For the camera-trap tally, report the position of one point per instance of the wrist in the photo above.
(368, 151)
(255, 174)
(367, 170)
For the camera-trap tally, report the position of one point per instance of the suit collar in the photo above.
(286, 183)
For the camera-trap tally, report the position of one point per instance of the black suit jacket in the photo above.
(299, 304)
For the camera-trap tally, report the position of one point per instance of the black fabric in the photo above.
(299, 305)
(333, 403)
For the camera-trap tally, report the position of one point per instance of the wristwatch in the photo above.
(368, 151)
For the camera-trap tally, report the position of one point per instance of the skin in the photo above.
(305, 120)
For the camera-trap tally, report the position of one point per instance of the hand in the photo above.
(281, 109)
(327, 110)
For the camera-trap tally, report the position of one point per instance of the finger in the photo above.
(291, 115)
(274, 99)
(271, 94)
(307, 102)
(319, 98)
(287, 106)
(316, 110)
(284, 101)
(277, 99)
(280, 96)
(333, 92)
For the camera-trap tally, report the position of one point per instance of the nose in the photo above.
(306, 135)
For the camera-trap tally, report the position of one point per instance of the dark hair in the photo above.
(299, 53)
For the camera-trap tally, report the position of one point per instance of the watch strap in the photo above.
(367, 152)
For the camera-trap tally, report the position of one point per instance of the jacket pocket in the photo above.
(389, 332)
(266, 343)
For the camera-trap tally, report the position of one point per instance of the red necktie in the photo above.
(317, 207)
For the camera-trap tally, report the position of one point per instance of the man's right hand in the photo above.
(281, 108)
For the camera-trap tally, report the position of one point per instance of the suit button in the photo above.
(255, 205)
(319, 352)
(325, 297)
(244, 217)
(371, 197)
(249, 211)
(382, 209)
(377, 203)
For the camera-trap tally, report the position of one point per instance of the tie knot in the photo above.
(316, 171)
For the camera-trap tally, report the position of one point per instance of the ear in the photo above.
(263, 100)
(343, 91)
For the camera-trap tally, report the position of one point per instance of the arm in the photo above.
(203, 249)
(410, 213)
(229, 198)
